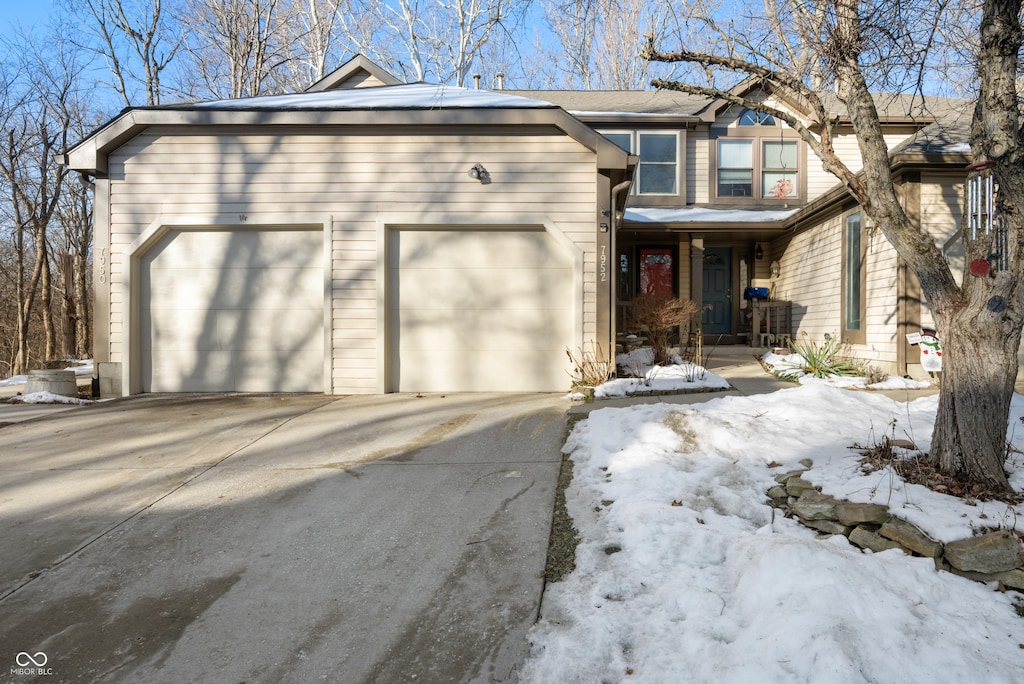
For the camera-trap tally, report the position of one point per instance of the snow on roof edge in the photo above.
(705, 215)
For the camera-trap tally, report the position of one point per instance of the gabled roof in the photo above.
(358, 72)
(604, 105)
(417, 104)
(406, 96)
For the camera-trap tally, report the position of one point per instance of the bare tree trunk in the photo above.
(69, 315)
(46, 297)
(979, 369)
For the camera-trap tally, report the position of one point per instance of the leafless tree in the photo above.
(862, 45)
(37, 114)
(437, 40)
(233, 48)
(138, 40)
(601, 40)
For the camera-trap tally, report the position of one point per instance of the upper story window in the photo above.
(751, 118)
(658, 170)
(765, 168)
(778, 169)
(735, 168)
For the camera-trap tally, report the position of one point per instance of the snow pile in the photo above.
(789, 366)
(685, 574)
(648, 377)
(48, 398)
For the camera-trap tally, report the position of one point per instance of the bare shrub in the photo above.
(656, 316)
(592, 365)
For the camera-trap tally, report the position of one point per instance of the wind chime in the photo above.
(983, 220)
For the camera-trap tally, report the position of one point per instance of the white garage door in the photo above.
(233, 310)
(479, 310)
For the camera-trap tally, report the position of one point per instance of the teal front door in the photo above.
(717, 320)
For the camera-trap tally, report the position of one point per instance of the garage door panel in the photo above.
(189, 370)
(474, 310)
(470, 287)
(493, 329)
(219, 249)
(438, 249)
(295, 329)
(479, 371)
(256, 325)
(233, 287)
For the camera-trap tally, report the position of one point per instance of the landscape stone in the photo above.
(778, 494)
(807, 463)
(850, 513)
(797, 486)
(783, 478)
(1011, 579)
(990, 553)
(909, 536)
(866, 539)
(828, 527)
(813, 505)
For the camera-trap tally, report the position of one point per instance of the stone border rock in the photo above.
(996, 556)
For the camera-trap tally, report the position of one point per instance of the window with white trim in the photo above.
(735, 168)
(778, 169)
(658, 170)
(761, 162)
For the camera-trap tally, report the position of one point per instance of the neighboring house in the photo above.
(726, 199)
(363, 236)
(367, 236)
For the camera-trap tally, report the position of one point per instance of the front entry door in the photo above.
(717, 320)
(656, 271)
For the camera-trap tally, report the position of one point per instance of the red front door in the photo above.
(656, 271)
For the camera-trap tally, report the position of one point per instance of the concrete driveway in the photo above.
(277, 538)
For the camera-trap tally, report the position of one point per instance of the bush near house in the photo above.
(656, 316)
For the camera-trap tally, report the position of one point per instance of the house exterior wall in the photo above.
(809, 277)
(359, 178)
(812, 272)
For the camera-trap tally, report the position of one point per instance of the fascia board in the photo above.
(90, 155)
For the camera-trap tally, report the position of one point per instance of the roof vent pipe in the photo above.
(501, 80)
(476, 81)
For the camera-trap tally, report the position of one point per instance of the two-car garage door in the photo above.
(233, 310)
(467, 310)
(479, 310)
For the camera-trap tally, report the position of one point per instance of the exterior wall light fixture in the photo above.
(758, 252)
(478, 172)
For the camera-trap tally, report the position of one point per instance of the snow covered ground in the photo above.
(685, 574)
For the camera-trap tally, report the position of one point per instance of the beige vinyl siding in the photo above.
(941, 211)
(698, 167)
(358, 177)
(810, 277)
(880, 306)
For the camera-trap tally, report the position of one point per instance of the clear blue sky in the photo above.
(25, 12)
